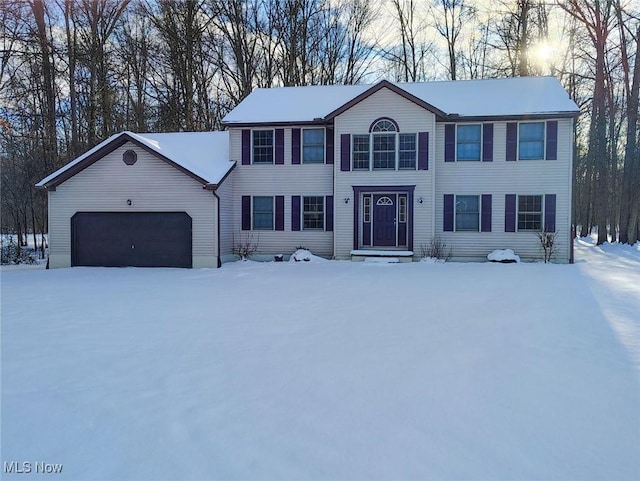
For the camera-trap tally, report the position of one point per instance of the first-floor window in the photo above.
(313, 212)
(529, 212)
(402, 209)
(467, 213)
(367, 208)
(262, 213)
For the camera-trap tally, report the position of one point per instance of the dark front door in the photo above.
(137, 239)
(384, 220)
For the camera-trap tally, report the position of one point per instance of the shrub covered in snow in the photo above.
(304, 255)
(503, 255)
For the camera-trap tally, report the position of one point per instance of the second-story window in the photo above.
(262, 146)
(384, 148)
(468, 142)
(531, 140)
(313, 146)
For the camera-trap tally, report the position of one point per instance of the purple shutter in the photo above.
(295, 212)
(423, 151)
(246, 212)
(552, 140)
(447, 225)
(487, 142)
(328, 201)
(345, 152)
(295, 146)
(486, 213)
(279, 212)
(449, 143)
(510, 213)
(279, 146)
(550, 213)
(246, 147)
(329, 143)
(512, 141)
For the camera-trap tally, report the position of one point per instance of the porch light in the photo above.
(346, 200)
(129, 202)
(420, 200)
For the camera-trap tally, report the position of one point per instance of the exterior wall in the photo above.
(287, 180)
(151, 184)
(410, 118)
(227, 218)
(498, 178)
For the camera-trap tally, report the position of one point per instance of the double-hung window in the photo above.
(262, 213)
(407, 151)
(262, 146)
(531, 140)
(313, 146)
(529, 212)
(361, 152)
(313, 213)
(468, 142)
(467, 213)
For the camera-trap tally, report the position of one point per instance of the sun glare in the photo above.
(544, 53)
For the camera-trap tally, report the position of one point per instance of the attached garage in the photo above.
(135, 239)
(142, 200)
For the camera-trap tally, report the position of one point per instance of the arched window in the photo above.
(384, 148)
(384, 125)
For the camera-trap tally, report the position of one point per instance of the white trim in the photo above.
(544, 140)
(273, 213)
(481, 125)
(324, 213)
(273, 147)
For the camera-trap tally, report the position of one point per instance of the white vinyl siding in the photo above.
(500, 178)
(287, 180)
(357, 120)
(151, 184)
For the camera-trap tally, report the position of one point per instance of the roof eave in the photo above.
(530, 116)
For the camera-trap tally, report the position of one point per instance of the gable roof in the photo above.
(204, 156)
(486, 98)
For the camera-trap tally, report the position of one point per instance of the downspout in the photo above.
(218, 228)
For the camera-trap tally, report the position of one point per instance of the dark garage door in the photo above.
(138, 239)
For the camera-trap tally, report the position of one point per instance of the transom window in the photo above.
(468, 142)
(384, 201)
(529, 212)
(262, 146)
(262, 213)
(313, 213)
(313, 146)
(531, 140)
(384, 148)
(467, 213)
(384, 125)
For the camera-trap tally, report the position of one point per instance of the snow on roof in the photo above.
(205, 154)
(467, 98)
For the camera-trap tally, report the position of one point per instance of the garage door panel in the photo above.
(137, 239)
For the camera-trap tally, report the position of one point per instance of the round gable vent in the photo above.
(129, 157)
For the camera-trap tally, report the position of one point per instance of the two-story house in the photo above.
(345, 171)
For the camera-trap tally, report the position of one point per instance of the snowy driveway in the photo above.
(330, 370)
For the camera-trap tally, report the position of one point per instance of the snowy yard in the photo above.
(332, 370)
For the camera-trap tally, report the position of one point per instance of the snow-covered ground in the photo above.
(328, 370)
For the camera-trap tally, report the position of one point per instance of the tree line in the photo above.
(73, 72)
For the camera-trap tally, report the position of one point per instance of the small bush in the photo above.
(547, 244)
(246, 246)
(436, 249)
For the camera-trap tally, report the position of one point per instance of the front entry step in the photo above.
(381, 256)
